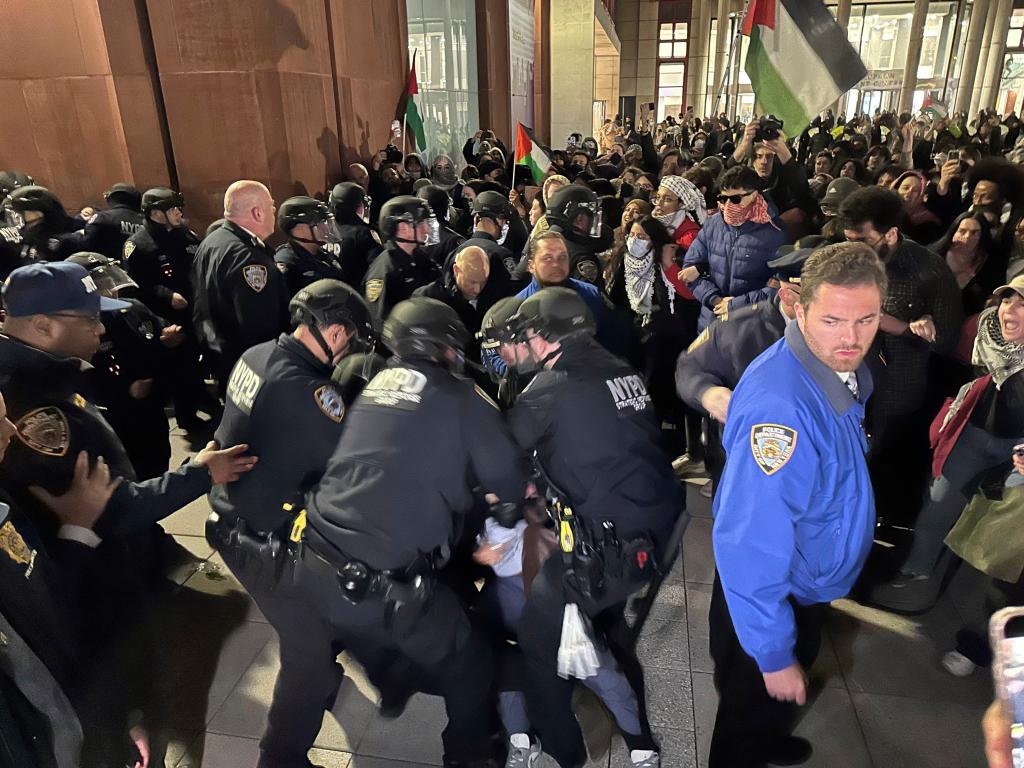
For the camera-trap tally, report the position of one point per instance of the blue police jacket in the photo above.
(795, 513)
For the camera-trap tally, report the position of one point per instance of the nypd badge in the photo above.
(587, 271)
(329, 401)
(772, 446)
(45, 430)
(13, 545)
(374, 288)
(129, 249)
(256, 276)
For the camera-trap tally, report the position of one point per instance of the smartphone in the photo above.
(1006, 630)
(396, 129)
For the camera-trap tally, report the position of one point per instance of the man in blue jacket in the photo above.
(733, 249)
(794, 514)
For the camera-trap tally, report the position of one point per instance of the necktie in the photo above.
(851, 384)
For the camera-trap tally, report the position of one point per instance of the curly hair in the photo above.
(1009, 177)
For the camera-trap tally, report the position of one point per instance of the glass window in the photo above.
(665, 33)
(664, 50)
(681, 31)
(1017, 20)
(679, 51)
(671, 85)
(1013, 38)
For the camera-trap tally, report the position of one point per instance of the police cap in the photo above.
(105, 272)
(331, 302)
(161, 199)
(422, 327)
(301, 210)
(790, 259)
(554, 314)
(123, 193)
(496, 327)
(492, 205)
(402, 208)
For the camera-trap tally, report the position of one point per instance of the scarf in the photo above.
(991, 351)
(756, 212)
(691, 200)
(639, 274)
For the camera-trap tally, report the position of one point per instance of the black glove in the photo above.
(507, 515)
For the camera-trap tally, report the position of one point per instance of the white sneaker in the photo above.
(958, 665)
(521, 753)
(644, 758)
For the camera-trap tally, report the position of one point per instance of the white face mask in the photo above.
(636, 246)
(504, 233)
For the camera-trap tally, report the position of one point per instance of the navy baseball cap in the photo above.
(48, 288)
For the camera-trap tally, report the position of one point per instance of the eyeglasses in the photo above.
(734, 199)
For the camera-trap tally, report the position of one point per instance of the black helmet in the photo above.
(11, 180)
(301, 210)
(496, 328)
(161, 199)
(492, 205)
(123, 193)
(331, 302)
(34, 198)
(570, 201)
(345, 200)
(106, 273)
(422, 327)
(354, 372)
(554, 314)
(438, 200)
(408, 209)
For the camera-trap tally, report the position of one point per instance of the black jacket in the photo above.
(160, 261)
(300, 267)
(445, 290)
(417, 442)
(393, 277)
(107, 231)
(355, 245)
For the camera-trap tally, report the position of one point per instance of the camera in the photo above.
(768, 130)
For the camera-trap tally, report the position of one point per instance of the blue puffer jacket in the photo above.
(737, 259)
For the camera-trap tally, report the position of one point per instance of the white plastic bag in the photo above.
(577, 656)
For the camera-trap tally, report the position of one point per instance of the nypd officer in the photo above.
(304, 259)
(575, 212)
(282, 403)
(107, 231)
(45, 227)
(416, 444)
(240, 296)
(794, 514)
(708, 372)
(350, 238)
(408, 225)
(589, 419)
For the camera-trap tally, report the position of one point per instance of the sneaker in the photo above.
(645, 758)
(521, 753)
(706, 490)
(685, 467)
(790, 750)
(907, 593)
(958, 665)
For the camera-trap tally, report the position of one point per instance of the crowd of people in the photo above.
(451, 372)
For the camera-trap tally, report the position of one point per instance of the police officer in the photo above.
(794, 515)
(408, 225)
(304, 259)
(159, 260)
(380, 524)
(449, 240)
(492, 213)
(575, 212)
(240, 296)
(498, 350)
(287, 382)
(45, 227)
(350, 238)
(11, 180)
(590, 420)
(129, 368)
(354, 372)
(107, 231)
(709, 370)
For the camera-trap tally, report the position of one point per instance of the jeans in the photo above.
(974, 452)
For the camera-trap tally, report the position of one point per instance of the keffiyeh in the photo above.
(999, 357)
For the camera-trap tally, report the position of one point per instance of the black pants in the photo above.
(309, 677)
(973, 641)
(750, 721)
(437, 638)
(548, 696)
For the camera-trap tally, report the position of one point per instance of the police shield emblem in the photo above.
(255, 276)
(13, 545)
(772, 446)
(330, 402)
(129, 249)
(374, 288)
(45, 430)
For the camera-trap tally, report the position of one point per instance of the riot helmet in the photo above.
(124, 194)
(108, 275)
(331, 302)
(571, 201)
(425, 328)
(345, 200)
(302, 210)
(412, 211)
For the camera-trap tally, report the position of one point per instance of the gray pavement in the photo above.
(880, 697)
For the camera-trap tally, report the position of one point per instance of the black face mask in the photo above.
(575, 169)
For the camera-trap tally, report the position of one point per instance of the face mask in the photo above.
(504, 233)
(637, 247)
(643, 193)
(734, 214)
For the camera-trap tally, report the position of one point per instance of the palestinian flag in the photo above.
(413, 120)
(531, 154)
(799, 60)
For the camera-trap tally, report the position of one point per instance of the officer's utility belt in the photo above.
(238, 534)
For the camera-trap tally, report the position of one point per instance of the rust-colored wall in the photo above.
(80, 112)
(542, 70)
(492, 53)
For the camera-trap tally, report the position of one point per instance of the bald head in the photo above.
(472, 268)
(357, 172)
(249, 204)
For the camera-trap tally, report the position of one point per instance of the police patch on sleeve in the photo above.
(374, 288)
(255, 276)
(45, 430)
(587, 270)
(329, 401)
(772, 446)
(129, 249)
(13, 545)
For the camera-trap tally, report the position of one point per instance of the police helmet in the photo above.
(123, 193)
(35, 198)
(12, 180)
(405, 208)
(108, 275)
(496, 327)
(301, 210)
(161, 199)
(354, 372)
(554, 314)
(439, 200)
(570, 201)
(422, 327)
(331, 302)
(345, 200)
(492, 205)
